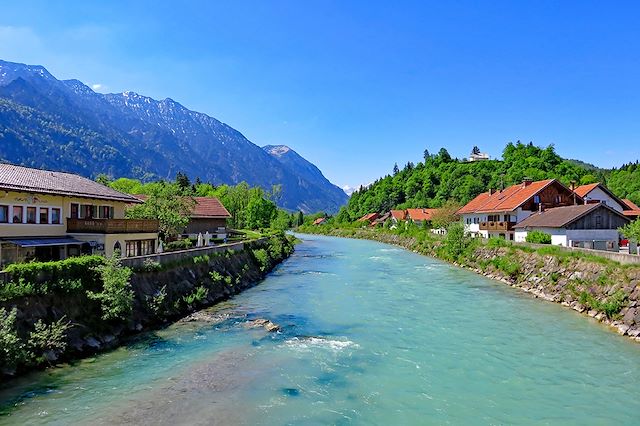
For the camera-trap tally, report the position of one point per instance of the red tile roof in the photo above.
(319, 221)
(25, 179)
(585, 189)
(399, 214)
(506, 200)
(421, 214)
(631, 204)
(204, 207)
(634, 210)
(209, 207)
(368, 217)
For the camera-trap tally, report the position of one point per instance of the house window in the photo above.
(105, 212)
(598, 221)
(55, 216)
(536, 199)
(4, 214)
(74, 211)
(87, 211)
(140, 247)
(44, 215)
(18, 212)
(506, 218)
(31, 215)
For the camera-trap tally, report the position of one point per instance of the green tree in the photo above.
(538, 237)
(103, 179)
(168, 204)
(183, 182)
(260, 212)
(116, 297)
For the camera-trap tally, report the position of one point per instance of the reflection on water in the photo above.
(370, 334)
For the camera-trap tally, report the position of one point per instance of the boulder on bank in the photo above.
(261, 322)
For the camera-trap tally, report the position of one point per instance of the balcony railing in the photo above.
(497, 226)
(112, 226)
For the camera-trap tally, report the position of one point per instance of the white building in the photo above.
(495, 213)
(592, 226)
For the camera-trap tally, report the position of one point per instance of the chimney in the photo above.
(540, 207)
(527, 181)
(492, 191)
(573, 190)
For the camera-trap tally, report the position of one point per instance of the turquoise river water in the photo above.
(371, 334)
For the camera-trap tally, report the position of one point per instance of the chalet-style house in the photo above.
(380, 221)
(319, 221)
(208, 215)
(592, 225)
(48, 215)
(495, 213)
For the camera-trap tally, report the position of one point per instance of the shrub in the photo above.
(538, 237)
(216, 276)
(50, 338)
(506, 265)
(456, 241)
(179, 245)
(262, 257)
(495, 242)
(12, 348)
(198, 295)
(150, 265)
(156, 302)
(116, 297)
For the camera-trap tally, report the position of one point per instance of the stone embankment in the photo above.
(597, 287)
(162, 294)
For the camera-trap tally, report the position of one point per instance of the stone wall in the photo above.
(183, 283)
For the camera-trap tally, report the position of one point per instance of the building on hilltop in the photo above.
(49, 215)
(495, 213)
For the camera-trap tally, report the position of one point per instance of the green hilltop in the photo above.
(441, 179)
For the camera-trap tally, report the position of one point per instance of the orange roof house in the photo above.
(594, 193)
(369, 217)
(319, 221)
(516, 196)
(398, 215)
(421, 215)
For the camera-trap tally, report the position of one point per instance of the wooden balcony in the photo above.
(112, 226)
(497, 226)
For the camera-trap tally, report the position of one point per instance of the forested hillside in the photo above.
(440, 178)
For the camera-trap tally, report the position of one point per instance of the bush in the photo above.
(116, 297)
(456, 241)
(12, 348)
(506, 265)
(496, 242)
(179, 245)
(198, 295)
(262, 257)
(48, 339)
(538, 237)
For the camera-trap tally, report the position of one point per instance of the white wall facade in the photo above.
(598, 194)
(565, 237)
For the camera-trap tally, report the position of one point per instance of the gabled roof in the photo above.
(631, 204)
(399, 214)
(25, 179)
(203, 208)
(508, 199)
(209, 207)
(421, 214)
(319, 221)
(559, 217)
(383, 218)
(584, 190)
(368, 217)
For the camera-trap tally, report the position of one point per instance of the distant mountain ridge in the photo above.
(63, 124)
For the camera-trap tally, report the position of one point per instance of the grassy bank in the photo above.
(597, 286)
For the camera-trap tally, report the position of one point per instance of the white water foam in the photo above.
(309, 343)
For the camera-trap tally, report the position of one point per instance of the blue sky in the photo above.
(356, 86)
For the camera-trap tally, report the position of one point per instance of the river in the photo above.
(371, 334)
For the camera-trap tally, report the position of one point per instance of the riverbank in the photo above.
(597, 287)
(55, 315)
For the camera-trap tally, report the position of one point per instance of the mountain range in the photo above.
(64, 125)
